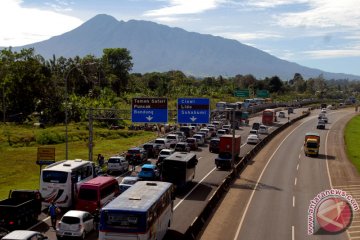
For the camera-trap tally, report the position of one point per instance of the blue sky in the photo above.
(323, 34)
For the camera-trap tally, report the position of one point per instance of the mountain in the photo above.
(156, 47)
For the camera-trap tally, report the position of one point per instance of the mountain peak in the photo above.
(159, 48)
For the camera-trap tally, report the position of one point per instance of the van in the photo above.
(117, 164)
(96, 192)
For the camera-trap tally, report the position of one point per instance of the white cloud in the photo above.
(324, 14)
(22, 26)
(333, 53)
(250, 36)
(273, 3)
(180, 7)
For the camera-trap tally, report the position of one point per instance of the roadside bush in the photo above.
(48, 137)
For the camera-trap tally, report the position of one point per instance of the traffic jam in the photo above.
(77, 198)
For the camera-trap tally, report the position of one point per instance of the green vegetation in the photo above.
(19, 144)
(352, 141)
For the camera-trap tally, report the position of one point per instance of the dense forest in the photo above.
(32, 86)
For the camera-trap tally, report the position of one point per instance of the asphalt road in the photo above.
(271, 198)
(190, 203)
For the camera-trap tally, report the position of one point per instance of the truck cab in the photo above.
(311, 144)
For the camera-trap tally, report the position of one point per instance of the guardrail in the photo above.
(195, 228)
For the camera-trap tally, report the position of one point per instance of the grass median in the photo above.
(352, 141)
(19, 145)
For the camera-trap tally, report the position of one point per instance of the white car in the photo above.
(282, 114)
(323, 110)
(263, 129)
(173, 139)
(117, 163)
(253, 139)
(199, 139)
(164, 153)
(220, 132)
(24, 235)
(75, 223)
(127, 182)
(162, 143)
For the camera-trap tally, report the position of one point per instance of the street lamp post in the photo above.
(66, 111)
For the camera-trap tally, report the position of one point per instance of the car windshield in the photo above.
(129, 181)
(159, 141)
(147, 170)
(171, 137)
(70, 220)
(165, 153)
(114, 160)
(191, 140)
(133, 151)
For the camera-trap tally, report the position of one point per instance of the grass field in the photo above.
(352, 141)
(19, 144)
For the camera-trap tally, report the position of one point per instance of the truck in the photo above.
(224, 158)
(311, 144)
(20, 209)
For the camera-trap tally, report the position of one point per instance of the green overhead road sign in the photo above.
(241, 93)
(262, 93)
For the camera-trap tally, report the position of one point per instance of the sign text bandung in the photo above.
(149, 110)
(193, 110)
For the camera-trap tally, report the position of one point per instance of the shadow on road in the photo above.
(251, 186)
(174, 235)
(326, 157)
(201, 194)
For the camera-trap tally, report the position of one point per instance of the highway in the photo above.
(271, 198)
(192, 201)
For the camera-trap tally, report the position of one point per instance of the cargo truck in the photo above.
(20, 209)
(224, 159)
(311, 144)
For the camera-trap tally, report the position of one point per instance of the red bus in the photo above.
(268, 116)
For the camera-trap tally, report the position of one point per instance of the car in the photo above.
(192, 143)
(150, 149)
(127, 182)
(207, 131)
(323, 110)
(282, 114)
(263, 129)
(324, 118)
(162, 155)
(173, 139)
(220, 132)
(161, 143)
(117, 164)
(254, 131)
(136, 155)
(321, 124)
(149, 172)
(24, 235)
(214, 145)
(256, 125)
(227, 128)
(182, 147)
(75, 223)
(200, 138)
(253, 139)
(181, 135)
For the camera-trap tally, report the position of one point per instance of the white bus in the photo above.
(144, 211)
(60, 181)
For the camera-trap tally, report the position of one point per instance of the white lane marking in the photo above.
(299, 155)
(293, 201)
(327, 160)
(258, 180)
(177, 205)
(292, 233)
(295, 181)
(297, 167)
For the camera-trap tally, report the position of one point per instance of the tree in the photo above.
(275, 84)
(117, 64)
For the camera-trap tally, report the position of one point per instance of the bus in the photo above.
(220, 106)
(179, 168)
(144, 211)
(60, 181)
(269, 116)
